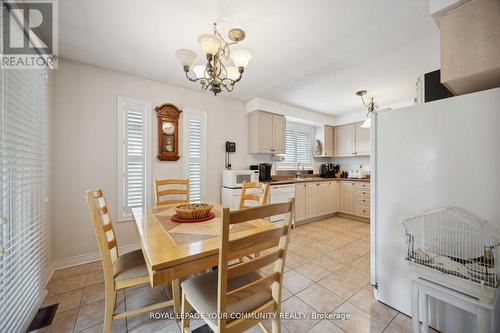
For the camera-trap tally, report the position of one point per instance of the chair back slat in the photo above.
(104, 231)
(279, 236)
(238, 245)
(259, 212)
(181, 190)
(254, 264)
(259, 198)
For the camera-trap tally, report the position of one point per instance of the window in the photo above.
(134, 119)
(23, 180)
(298, 147)
(195, 153)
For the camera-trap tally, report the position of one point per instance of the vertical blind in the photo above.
(23, 192)
(132, 159)
(195, 163)
(298, 147)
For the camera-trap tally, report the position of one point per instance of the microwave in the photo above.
(235, 178)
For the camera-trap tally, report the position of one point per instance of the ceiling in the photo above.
(313, 54)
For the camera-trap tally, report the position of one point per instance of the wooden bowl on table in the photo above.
(193, 211)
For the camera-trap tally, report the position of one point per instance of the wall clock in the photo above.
(168, 132)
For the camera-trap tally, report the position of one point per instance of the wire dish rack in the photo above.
(456, 249)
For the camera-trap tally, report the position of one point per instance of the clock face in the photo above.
(168, 128)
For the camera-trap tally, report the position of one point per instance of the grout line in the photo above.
(78, 311)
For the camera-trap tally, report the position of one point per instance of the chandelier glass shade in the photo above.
(223, 67)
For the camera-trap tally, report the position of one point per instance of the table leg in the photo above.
(414, 307)
(176, 295)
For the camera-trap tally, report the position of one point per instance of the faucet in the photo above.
(297, 172)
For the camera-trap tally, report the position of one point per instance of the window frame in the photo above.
(122, 215)
(186, 115)
(286, 166)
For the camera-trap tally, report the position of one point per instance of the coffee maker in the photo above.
(328, 170)
(265, 171)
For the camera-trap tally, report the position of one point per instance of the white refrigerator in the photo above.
(427, 156)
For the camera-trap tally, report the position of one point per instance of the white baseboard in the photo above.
(87, 257)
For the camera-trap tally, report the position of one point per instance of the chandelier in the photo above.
(223, 68)
(371, 106)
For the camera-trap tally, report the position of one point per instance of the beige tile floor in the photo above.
(327, 272)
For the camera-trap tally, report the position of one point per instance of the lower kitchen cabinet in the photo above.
(328, 198)
(312, 200)
(300, 201)
(315, 199)
(347, 197)
(355, 198)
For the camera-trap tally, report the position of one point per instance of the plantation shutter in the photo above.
(133, 116)
(195, 156)
(23, 175)
(290, 146)
(298, 147)
(304, 145)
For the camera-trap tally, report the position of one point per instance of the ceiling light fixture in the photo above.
(372, 107)
(223, 67)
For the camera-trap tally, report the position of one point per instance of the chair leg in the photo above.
(109, 307)
(276, 324)
(186, 311)
(176, 295)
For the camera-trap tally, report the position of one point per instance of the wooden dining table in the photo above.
(173, 251)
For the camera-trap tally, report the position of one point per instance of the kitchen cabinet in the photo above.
(300, 201)
(351, 140)
(312, 200)
(325, 136)
(347, 197)
(362, 140)
(344, 138)
(328, 197)
(355, 198)
(362, 199)
(470, 51)
(266, 133)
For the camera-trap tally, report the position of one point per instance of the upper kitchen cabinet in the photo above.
(325, 136)
(351, 140)
(470, 48)
(266, 133)
(362, 140)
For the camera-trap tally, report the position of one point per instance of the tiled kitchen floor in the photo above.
(327, 272)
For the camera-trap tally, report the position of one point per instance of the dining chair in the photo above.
(260, 198)
(120, 271)
(238, 294)
(181, 189)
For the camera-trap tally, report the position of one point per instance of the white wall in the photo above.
(84, 145)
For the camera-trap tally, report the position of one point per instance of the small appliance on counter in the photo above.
(231, 185)
(329, 170)
(265, 171)
(235, 178)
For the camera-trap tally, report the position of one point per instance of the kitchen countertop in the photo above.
(313, 179)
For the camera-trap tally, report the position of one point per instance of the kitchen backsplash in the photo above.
(346, 163)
